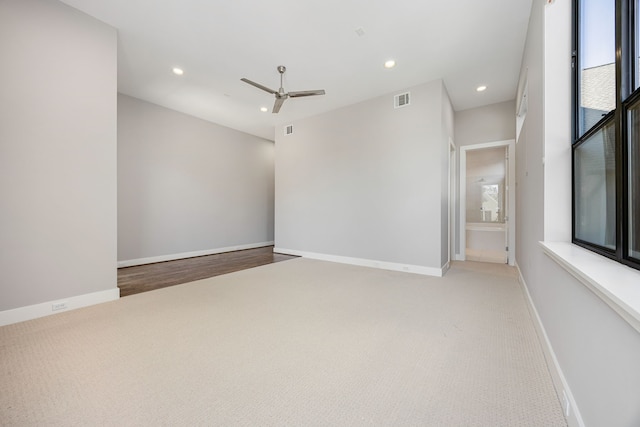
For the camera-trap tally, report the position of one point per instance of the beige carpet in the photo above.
(297, 343)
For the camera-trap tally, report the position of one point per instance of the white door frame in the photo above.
(511, 189)
(452, 200)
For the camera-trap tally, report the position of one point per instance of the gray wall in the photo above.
(365, 181)
(57, 153)
(495, 122)
(448, 126)
(597, 350)
(187, 185)
(485, 124)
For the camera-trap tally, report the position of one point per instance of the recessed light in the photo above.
(178, 71)
(264, 109)
(390, 64)
(481, 88)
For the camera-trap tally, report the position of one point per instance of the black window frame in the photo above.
(626, 40)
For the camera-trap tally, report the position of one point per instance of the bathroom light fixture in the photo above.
(264, 109)
(178, 71)
(481, 88)
(390, 63)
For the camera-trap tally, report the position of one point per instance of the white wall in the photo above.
(366, 181)
(596, 349)
(187, 185)
(557, 113)
(57, 154)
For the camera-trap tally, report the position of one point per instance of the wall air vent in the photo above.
(401, 100)
(288, 130)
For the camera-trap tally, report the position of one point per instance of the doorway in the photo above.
(451, 214)
(487, 203)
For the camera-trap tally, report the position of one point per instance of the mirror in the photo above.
(491, 203)
(485, 199)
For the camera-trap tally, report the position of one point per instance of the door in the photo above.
(486, 203)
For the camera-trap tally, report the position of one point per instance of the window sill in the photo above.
(616, 284)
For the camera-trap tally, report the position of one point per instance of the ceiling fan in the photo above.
(280, 94)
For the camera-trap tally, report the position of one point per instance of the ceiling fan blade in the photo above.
(278, 105)
(259, 86)
(306, 93)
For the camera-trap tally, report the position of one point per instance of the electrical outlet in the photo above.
(59, 306)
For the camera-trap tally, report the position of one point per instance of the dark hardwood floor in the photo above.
(142, 278)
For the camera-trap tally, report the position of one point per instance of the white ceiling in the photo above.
(464, 42)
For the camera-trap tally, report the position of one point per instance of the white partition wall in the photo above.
(368, 183)
(188, 187)
(593, 352)
(57, 159)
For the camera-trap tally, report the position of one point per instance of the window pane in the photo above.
(636, 47)
(596, 61)
(634, 181)
(595, 189)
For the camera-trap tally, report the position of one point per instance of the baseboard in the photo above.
(445, 268)
(171, 257)
(407, 268)
(29, 312)
(559, 381)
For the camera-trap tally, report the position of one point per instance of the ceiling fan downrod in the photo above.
(281, 70)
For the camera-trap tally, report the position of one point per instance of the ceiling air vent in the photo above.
(401, 100)
(288, 130)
